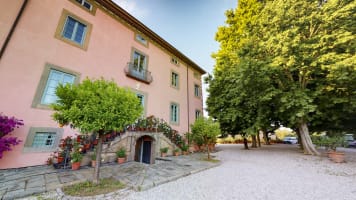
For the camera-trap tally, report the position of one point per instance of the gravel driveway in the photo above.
(269, 173)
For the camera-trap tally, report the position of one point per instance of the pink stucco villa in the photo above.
(46, 42)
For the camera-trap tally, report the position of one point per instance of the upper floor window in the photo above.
(174, 112)
(85, 4)
(73, 30)
(196, 90)
(174, 61)
(141, 39)
(175, 80)
(137, 68)
(50, 79)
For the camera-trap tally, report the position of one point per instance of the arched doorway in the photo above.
(144, 150)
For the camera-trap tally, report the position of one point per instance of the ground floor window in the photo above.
(43, 139)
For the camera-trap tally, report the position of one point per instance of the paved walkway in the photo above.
(17, 183)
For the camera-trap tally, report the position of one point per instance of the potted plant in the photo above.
(121, 155)
(164, 151)
(176, 152)
(185, 148)
(75, 158)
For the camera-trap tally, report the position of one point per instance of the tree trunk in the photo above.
(208, 149)
(300, 140)
(96, 179)
(259, 139)
(265, 136)
(254, 142)
(245, 143)
(307, 143)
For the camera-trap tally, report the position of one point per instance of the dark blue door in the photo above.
(146, 153)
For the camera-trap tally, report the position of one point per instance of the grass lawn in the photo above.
(88, 188)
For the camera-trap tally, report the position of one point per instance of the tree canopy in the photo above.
(96, 106)
(294, 63)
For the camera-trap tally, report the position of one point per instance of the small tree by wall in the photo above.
(7, 125)
(96, 106)
(205, 130)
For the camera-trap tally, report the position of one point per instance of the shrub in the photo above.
(7, 125)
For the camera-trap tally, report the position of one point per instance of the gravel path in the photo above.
(268, 173)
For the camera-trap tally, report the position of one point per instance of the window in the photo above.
(174, 61)
(197, 114)
(196, 90)
(142, 99)
(174, 113)
(42, 139)
(73, 30)
(85, 4)
(54, 79)
(51, 77)
(139, 38)
(139, 62)
(175, 80)
(137, 68)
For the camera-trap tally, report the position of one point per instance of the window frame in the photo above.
(144, 100)
(175, 61)
(177, 81)
(199, 91)
(31, 136)
(133, 51)
(61, 25)
(37, 100)
(140, 41)
(171, 113)
(197, 111)
(91, 2)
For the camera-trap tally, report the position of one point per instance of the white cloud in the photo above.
(131, 7)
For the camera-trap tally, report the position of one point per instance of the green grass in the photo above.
(211, 160)
(88, 188)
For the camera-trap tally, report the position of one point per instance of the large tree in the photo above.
(312, 47)
(305, 50)
(96, 106)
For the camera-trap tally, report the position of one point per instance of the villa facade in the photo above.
(47, 42)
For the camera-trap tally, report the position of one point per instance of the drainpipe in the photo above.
(9, 35)
(188, 100)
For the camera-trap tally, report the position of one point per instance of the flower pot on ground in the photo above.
(76, 157)
(337, 157)
(121, 155)
(185, 148)
(164, 151)
(176, 152)
(93, 159)
(75, 165)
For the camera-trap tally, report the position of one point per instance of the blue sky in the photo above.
(189, 25)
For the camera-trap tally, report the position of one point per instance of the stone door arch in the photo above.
(145, 149)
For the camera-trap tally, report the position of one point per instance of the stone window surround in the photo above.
(60, 27)
(31, 135)
(171, 79)
(170, 113)
(36, 103)
(93, 6)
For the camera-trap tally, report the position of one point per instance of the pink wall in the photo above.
(33, 44)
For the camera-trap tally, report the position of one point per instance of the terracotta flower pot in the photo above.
(75, 165)
(93, 163)
(121, 160)
(176, 153)
(338, 157)
(185, 152)
(163, 154)
(60, 159)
